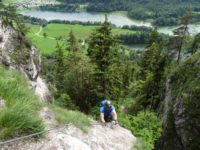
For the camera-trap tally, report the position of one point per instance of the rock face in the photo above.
(2, 103)
(181, 108)
(71, 138)
(17, 53)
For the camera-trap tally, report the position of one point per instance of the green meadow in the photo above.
(47, 44)
(80, 31)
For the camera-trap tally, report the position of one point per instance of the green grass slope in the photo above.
(64, 116)
(20, 114)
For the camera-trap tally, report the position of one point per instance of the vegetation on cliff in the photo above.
(19, 116)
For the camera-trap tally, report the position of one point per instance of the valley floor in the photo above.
(58, 33)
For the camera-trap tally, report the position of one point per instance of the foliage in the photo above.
(64, 100)
(20, 114)
(79, 80)
(182, 32)
(136, 38)
(141, 144)
(79, 76)
(59, 7)
(59, 68)
(148, 85)
(145, 126)
(70, 76)
(15, 20)
(73, 47)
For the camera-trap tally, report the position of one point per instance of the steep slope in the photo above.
(17, 53)
(181, 107)
(70, 137)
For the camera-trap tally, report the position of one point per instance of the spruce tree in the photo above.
(103, 51)
(182, 32)
(59, 68)
(78, 77)
(152, 68)
(72, 43)
(149, 54)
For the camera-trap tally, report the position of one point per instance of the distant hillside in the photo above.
(164, 12)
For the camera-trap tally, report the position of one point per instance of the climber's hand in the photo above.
(114, 122)
(104, 124)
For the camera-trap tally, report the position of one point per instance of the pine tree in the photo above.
(78, 78)
(149, 54)
(152, 69)
(1, 5)
(103, 51)
(153, 38)
(73, 46)
(60, 69)
(182, 32)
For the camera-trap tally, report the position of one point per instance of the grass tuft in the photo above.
(65, 116)
(19, 116)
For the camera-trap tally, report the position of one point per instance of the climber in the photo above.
(107, 112)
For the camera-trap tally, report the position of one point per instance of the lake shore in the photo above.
(116, 18)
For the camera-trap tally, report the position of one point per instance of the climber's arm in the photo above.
(102, 117)
(114, 115)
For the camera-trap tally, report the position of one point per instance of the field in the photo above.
(47, 44)
(80, 31)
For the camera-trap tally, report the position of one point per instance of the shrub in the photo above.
(146, 126)
(65, 101)
(141, 144)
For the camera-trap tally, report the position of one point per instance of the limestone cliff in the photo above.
(181, 108)
(17, 53)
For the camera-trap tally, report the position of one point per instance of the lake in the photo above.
(117, 18)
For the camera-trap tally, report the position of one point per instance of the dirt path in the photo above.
(40, 31)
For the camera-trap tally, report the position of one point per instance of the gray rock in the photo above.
(2, 103)
(17, 54)
(180, 109)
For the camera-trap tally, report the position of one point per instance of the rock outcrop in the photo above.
(72, 138)
(2, 103)
(16, 53)
(181, 108)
